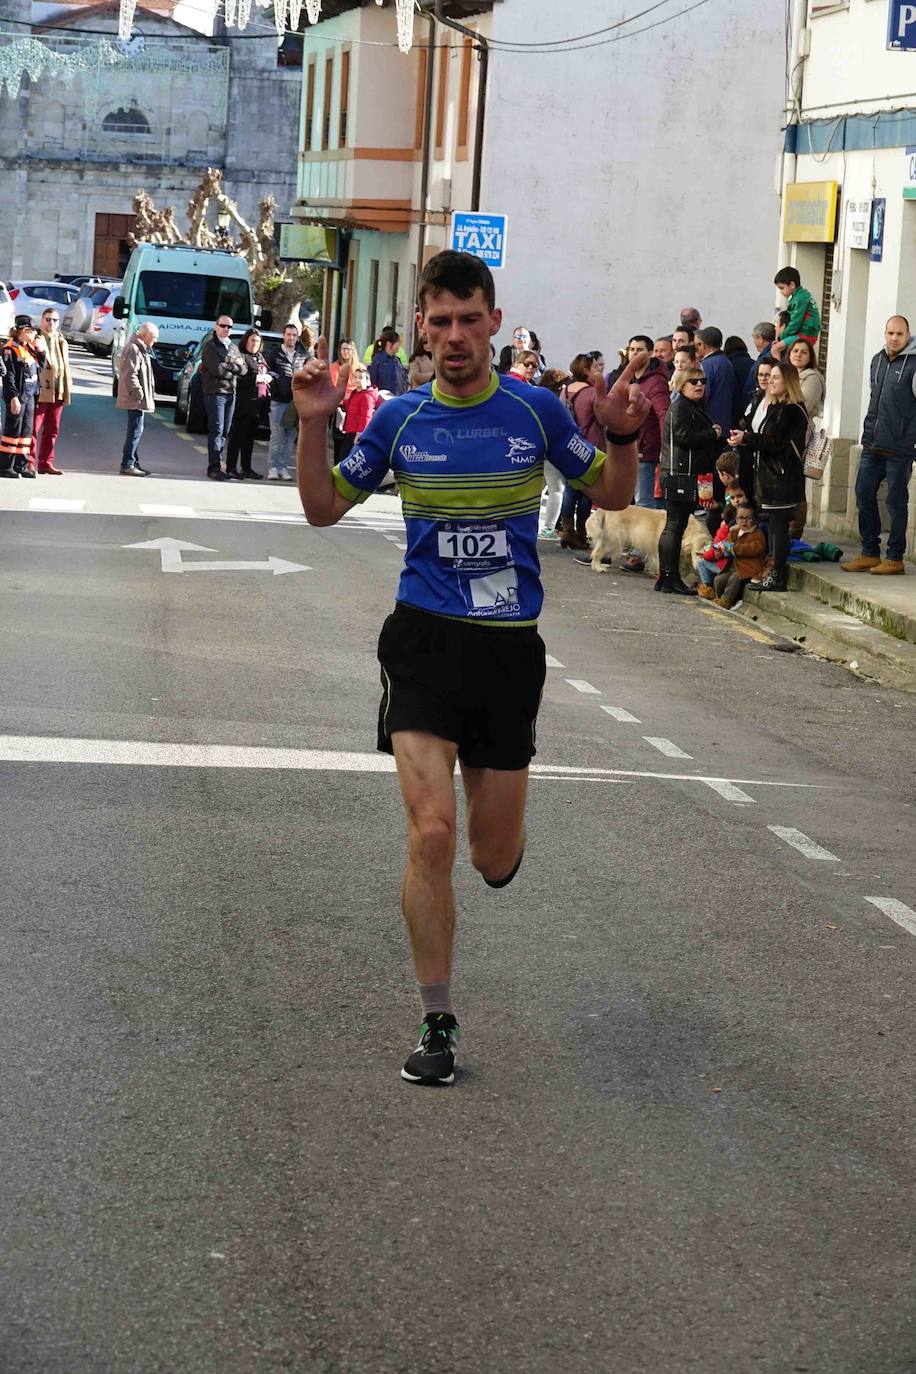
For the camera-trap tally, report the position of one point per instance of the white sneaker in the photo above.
(287, 476)
(273, 475)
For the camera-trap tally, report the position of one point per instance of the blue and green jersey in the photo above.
(470, 473)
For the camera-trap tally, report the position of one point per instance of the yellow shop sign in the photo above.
(809, 212)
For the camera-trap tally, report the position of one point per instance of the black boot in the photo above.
(674, 585)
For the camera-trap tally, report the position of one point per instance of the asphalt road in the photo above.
(681, 1138)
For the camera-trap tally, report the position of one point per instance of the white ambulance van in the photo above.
(182, 290)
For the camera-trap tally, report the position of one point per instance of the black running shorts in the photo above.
(477, 685)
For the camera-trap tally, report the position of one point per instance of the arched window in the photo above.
(123, 121)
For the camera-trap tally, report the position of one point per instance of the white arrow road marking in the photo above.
(798, 840)
(170, 551)
(898, 911)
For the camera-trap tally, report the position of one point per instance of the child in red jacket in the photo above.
(358, 409)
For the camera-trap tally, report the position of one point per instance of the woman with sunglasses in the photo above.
(525, 366)
(690, 443)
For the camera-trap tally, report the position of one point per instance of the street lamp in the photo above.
(223, 220)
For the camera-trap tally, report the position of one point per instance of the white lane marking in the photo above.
(582, 686)
(552, 662)
(665, 746)
(51, 503)
(620, 714)
(729, 791)
(798, 840)
(400, 546)
(185, 512)
(898, 911)
(56, 749)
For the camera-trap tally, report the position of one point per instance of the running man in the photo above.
(461, 658)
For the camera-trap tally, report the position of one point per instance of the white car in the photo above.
(76, 321)
(99, 338)
(33, 298)
(7, 312)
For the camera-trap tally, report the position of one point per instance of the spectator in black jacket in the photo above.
(776, 436)
(735, 350)
(690, 443)
(250, 395)
(221, 366)
(888, 446)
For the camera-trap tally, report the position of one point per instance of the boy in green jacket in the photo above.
(804, 316)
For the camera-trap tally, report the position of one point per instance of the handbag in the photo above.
(679, 486)
(817, 454)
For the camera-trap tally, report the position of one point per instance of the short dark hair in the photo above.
(765, 330)
(642, 338)
(687, 329)
(787, 276)
(711, 336)
(689, 349)
(734, 344)
(783, 318)
(460, 273)
(748, 504)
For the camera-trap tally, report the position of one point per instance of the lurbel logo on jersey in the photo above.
(580, 449)
(411, 454)
(356, 463)
(521, 451)
(454, 436)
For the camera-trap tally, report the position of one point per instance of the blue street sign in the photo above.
(901, 26)
(482, 235)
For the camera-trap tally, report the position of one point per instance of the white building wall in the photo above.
(638, 177)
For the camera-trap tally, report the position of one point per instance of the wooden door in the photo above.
(112, 250)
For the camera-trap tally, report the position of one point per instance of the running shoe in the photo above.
(433, 1061)
(547, 533)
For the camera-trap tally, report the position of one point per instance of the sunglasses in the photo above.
(224, 326)
(695, 381)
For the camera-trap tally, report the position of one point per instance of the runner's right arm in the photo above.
(327, 495)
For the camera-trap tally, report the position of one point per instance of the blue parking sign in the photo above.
(901, 25)
(482, 235)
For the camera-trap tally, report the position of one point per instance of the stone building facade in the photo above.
(104, 120)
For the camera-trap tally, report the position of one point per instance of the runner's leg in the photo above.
(426, 767)
(495, 800)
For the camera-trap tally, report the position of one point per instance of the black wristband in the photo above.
(621, 439)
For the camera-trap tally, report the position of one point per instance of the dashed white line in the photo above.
(582, 686)
(185, 512)
(728, 790)
(898, 911)
(802, 843)
(666, 747)
(552, 662)
(51, 503)
(620, 714)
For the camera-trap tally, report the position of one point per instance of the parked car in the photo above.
(100, 336)
(7, 311)
(33, 298)
(80, 279)
(189, 398)
(77, 319)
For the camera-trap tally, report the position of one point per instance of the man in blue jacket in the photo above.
(720, 377)
(888, 450)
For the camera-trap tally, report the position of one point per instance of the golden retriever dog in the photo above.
(613, 531)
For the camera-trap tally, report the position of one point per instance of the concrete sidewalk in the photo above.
(868, 623)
